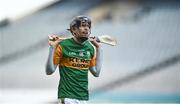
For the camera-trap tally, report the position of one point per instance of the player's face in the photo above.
(84, 30)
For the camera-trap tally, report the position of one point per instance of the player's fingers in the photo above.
(53, 37)
(49, 37)
(92, 38)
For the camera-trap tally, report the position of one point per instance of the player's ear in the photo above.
(72, 30)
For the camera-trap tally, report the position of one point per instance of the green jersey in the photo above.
(74, 61)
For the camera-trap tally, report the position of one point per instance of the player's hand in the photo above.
(94, 42)
(54, 40)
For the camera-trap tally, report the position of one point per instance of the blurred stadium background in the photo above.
(142, 68)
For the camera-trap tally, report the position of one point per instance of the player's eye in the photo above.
(85, 24)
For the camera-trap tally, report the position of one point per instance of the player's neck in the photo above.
(78, 41)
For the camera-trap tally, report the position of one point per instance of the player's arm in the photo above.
(96, 62)
(50, 66)
(54, 56)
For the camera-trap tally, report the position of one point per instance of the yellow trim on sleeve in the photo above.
(57, 55)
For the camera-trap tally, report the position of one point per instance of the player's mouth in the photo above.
(85, 32)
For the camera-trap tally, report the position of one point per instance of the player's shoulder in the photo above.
(91, 47)
(65, 41)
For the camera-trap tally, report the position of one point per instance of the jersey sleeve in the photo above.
(57, 55)
(93, 60)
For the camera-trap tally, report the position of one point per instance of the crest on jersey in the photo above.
(81, 54)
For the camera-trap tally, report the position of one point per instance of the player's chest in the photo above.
(78, 53)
